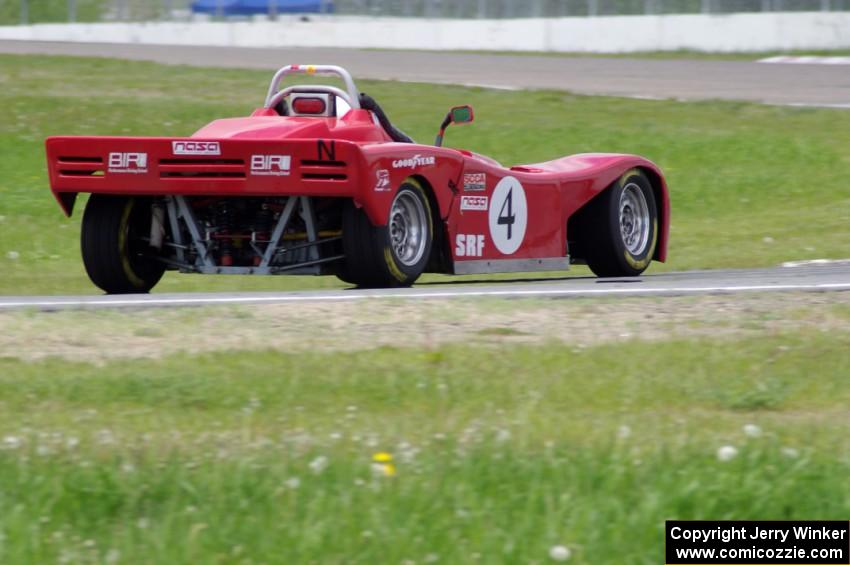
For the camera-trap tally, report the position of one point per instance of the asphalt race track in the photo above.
(804, 277)
(783, 84)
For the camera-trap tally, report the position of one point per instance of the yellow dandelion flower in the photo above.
(382, 457)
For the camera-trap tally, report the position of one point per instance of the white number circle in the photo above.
(508, 215)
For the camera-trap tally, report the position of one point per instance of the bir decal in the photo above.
(270, 165)
(132, 163)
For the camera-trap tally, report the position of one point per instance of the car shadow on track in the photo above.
(503, 281)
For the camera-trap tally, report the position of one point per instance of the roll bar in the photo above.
(353, 98)
(307, 89)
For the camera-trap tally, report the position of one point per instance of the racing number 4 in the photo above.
(507, 217)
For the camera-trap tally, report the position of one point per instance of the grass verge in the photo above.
(498, 454)
(102, 336)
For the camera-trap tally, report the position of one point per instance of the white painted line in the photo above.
(486, 86)
(839, 106)
(507, 87)
(216, 300)
(810, 262)
(806, 60)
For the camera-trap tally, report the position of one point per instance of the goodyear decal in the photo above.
(415, 161)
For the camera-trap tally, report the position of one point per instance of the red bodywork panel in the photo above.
(353, 157)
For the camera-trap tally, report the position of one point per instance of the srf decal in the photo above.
(469, 245)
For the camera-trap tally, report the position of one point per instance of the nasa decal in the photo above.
(508, 215)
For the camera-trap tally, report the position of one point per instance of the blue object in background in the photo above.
(251, 7)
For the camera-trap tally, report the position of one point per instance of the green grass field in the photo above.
(500, 452)
(750, 185)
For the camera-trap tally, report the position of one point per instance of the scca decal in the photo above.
(469, 245)
(474, 182)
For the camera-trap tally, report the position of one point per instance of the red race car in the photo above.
(318, 181)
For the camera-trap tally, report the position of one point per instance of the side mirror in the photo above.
(457, 115)
(461, 114)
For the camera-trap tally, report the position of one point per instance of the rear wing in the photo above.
(187, 166)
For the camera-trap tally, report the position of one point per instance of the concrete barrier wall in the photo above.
(608, 34)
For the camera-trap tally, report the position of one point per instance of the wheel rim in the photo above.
(634, 219)
(408, 228)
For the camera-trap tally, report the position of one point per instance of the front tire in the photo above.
(394, 255)
(620, 228)
(116, 257)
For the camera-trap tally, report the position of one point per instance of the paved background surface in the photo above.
(815, 85)
(829, 277)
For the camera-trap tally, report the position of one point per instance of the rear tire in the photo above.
(620, 227)
(116, 258)
(394, 255)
